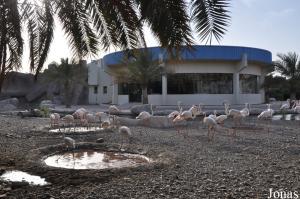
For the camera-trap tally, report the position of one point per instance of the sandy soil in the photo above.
(193, 167)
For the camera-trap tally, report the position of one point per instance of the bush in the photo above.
(45, 111)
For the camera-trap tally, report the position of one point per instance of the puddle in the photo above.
(286, 117)
(96, 160)
(77, 129)
(19, 176)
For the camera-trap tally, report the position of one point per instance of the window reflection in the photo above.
(154, 88)
(249, 84)
(192, 83)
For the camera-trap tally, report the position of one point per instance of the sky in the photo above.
(268, 24)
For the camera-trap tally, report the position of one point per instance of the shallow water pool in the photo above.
(90, 159)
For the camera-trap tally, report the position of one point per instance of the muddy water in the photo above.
(96, 160)
(19, 176)
(286, 117)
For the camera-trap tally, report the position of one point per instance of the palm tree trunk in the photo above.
(3, 49)
(2, 77)
(144, 95)
(292, 89)
(67, 94)
(293, 95)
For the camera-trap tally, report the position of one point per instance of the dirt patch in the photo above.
(193, 167)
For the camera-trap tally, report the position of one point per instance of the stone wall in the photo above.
(23, 85)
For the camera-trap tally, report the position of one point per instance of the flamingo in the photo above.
(113, 109)
(236, 114)
(54, 119)
(266, 114)
(213, 116)
(177, 120)
(145, 114)
(211, 123)
(187, 115)
(125, 133)
(246, 111)
(68, 121)
(199, 110)
(285, 106)
(296, 106)
(69, 142)
(175, 113)
(221, 118)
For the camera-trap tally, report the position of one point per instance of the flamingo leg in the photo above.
(122, 141)
(208, 134)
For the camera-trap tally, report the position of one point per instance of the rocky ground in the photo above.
(244, 167)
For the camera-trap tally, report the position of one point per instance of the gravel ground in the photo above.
(244, 167)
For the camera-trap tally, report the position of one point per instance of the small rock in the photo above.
(100, 140)
(277, 176)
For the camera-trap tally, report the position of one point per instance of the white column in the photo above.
(115, 93)
(262, 90)
(236, 87)
(164, 89)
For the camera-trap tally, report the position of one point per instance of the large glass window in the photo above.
(155, 87)
(192, 83)
(123, 89)
(126, 88)
(249, 83)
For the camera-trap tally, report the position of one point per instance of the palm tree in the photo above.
(288, 66)
(142, 69)
(68, 75)
(90, 24)
(275, 86)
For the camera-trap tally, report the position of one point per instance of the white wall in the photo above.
(123, 99)
(155, 99)
(208, 99)
(250, 98)
(99, 77)
(93, 71)
(204, 67)
(215, 67)
(92, 97)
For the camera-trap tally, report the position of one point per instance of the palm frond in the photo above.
(168, 21)
(116, 22)
(211, 18)
(11, 37)
(46, 28)
(76, 24)
(288, 65)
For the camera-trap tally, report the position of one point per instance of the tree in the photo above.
(142, 69)
(90, 24)
(288, 66)
(68, 75)
(275, 86)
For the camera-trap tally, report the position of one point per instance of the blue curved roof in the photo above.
(212, 53)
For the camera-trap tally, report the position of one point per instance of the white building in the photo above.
(208, 74)
(100, 83)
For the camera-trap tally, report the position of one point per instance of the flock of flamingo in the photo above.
(81, 117)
